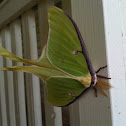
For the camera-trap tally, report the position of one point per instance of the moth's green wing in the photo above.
(62, 91)
(43, 68)
(41, 62)
(42, 72)
(62, 41)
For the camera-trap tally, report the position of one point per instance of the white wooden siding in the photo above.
(10, 82)
(114, 20)
(17, 49)
(28, 22)
(3, 93)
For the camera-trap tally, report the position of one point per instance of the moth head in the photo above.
(93, 80)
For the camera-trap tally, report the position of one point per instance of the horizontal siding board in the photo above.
(35, 80)
(28, 77)
(4, 121)
(29, 30)
(19, 76)
(10, 84)
(58, 117)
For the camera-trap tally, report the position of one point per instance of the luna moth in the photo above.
(64, 65)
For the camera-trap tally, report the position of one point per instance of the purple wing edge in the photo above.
(86, 55)
(84, 49)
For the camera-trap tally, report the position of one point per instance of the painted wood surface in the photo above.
(9, 79)
(30, 52)
(16, 37)
(115, 34)
(13, 8)
(4, 121)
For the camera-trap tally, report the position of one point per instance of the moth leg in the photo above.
(100, 76)
(101, 68)
(96, 93)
